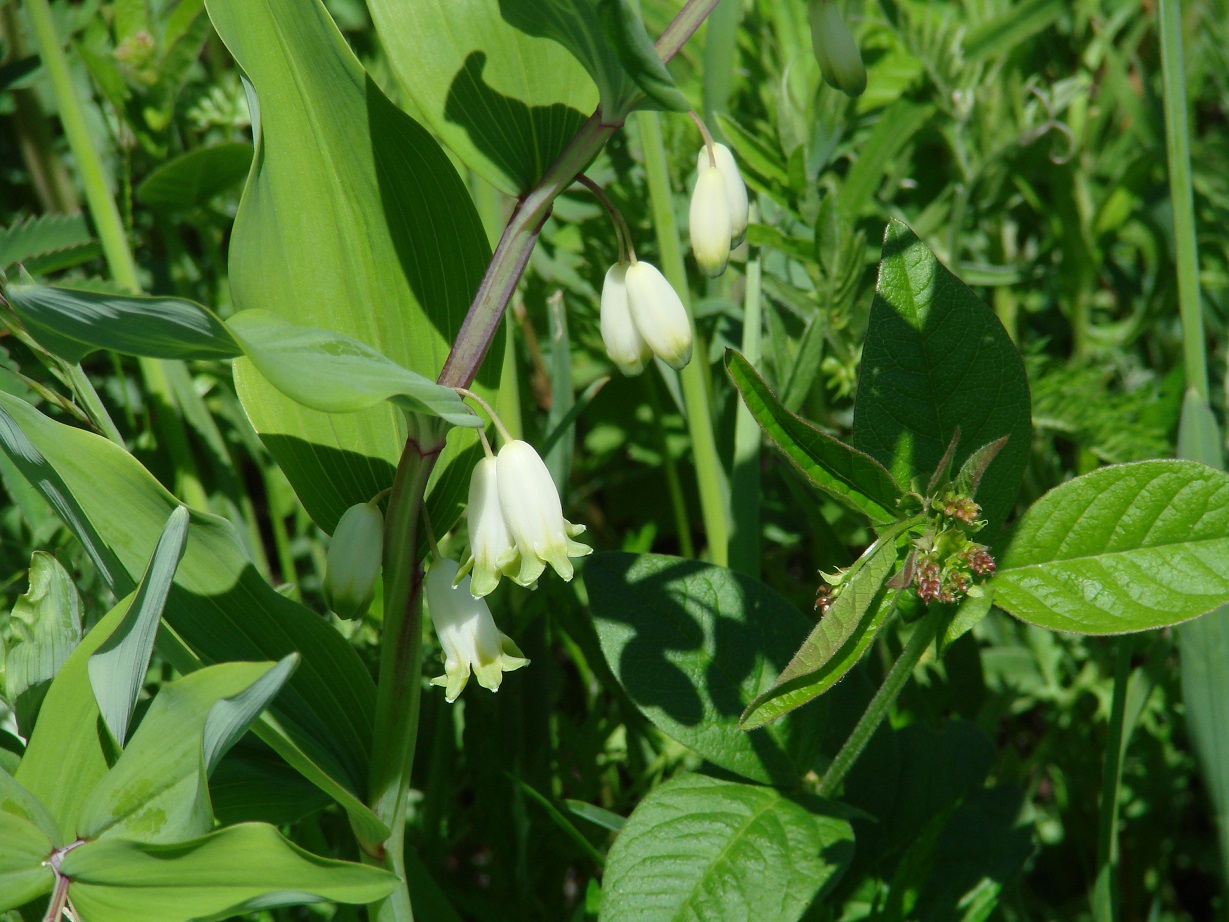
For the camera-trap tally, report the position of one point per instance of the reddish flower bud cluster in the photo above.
(949, 580)
(823, 599)
(980, 561)
(959, 507)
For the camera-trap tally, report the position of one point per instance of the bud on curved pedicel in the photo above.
(709, 223)
(659, 314)
(624, 344)
(735, 189)
(353, 562)
(534, 515)
(835, 49)
(492, 551)
(467, 632)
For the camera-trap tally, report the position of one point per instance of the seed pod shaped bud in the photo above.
(353, 562)
(735, 189)
(493, 552)
(658, 313)
(467, 632)
(710, 222)
(837, 52)
(534, 515)
(624, 344)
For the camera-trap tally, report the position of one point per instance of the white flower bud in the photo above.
(467, 632)
(710, 222)
(534, 515)
(353, 562)
(492, 551)
(658, 313)
(835, 49)
(735, 188)
(624, 344)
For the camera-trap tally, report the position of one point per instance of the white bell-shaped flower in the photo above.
(710, 222)
(658, 313)
(624, 344)
(353, 562)
(735, 188)
(492, 550)
(534, 514)
(467, 632)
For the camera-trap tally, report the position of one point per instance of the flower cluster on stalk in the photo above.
(947, 562)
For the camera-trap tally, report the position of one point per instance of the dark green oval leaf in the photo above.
(192, 179)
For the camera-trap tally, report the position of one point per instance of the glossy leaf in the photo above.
(353, 220)
(504, 101)
(194, 178)
(23, 852)
(117, 669)
(72, 323)
(704, 848)
(836, 644)
(1124, 548)
(937, 359)
(332, 373)
(852, 476)
(157, 790)
(45, 626)
(214, 877)
(220, 605)
(692, 644)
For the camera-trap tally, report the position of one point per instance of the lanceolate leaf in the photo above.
(192, 179)
(353, 220)
(692, 644)
(220, 605)
(504, 101)
(16, 800)
(851, 476)
(838, 641)
(639, 57)
(220, 875)
(937, 359)
(704, 848)
(71, 324)
(1125, 548)
(23, 854)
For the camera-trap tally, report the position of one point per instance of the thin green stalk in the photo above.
(720, 54)
(678, 502)
(923, 635)
(1178, 148)
(1105, 890)
(709, 474)
(745, 479)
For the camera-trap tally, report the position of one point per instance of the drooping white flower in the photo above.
(467, 632)
(710, 222)
(658, 313)
(735, 188)
(534, 515)
(492, 551)
(624, 344)
(353, 562)
(835, 49)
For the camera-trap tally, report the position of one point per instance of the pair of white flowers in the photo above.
(516, 528)
(718, 217)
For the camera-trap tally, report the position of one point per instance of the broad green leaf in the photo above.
(971, 610)
(1124, 548)
(504, 101)
(23, 851)
(692, 644)
(46, 626)
(937, 359)
(117, 669)
(703, 848)
(194, 178)
(228, 872)
(65, 757)
(853, 477)
(252, 784)
(353, 220)
(836, 644)
(220, 606)
(71, 324)
(19, 802)
(157, 791)
(332, 373)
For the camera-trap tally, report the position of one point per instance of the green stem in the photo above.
(1105, 891)
(745, 479)
(1178, 147)
(923, 635)
(682, 522)
(709, 474)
